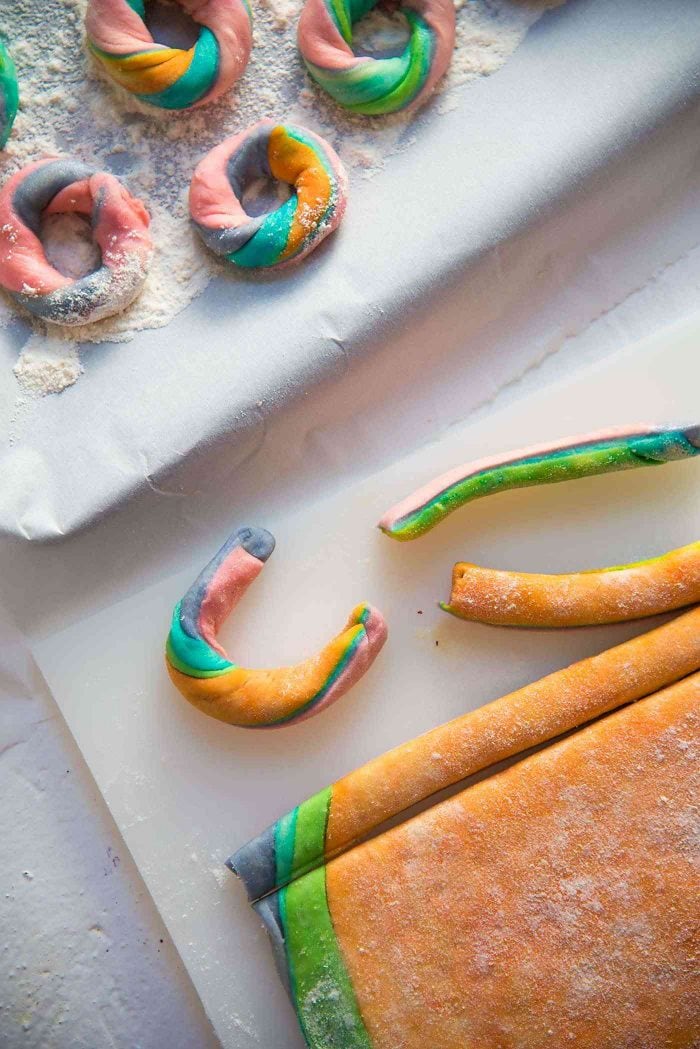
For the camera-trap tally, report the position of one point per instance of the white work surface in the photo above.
(185, 790)
(82, 963)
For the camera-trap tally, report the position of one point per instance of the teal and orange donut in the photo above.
(274, 151)
(376, 85)
(170, 77)
(9, 94)
(203, 673)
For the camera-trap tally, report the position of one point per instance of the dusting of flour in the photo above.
(69, 107)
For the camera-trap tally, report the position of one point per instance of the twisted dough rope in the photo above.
(606, 595)
(203, 673)
(120, 226)
(167, 76)
(376, 85)
(605, 451)
(9, 94)
(289, 154)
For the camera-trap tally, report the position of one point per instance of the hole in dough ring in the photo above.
(605, 451)
(376, 85)
(202, 671)
(170, 77)
(273, 151)
(9, 95)
(605, 595)
(120, 227)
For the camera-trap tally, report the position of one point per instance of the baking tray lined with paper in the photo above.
(416, 266)
(187, 791)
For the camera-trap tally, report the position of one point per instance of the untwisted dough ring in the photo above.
(120, 226)
(606, 595)
(203, 673)
(166, 76)
(9, 95)
(376, 85)
(281, 151)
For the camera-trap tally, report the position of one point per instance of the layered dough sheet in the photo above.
(555, 903)
(559, 899)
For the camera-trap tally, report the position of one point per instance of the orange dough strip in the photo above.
(564, 700)
(606, 595)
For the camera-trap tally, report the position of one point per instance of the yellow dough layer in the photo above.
(606, 595)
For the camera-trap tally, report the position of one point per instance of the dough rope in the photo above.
(602, 452)
(9, 94)
(269, 150)
(356, 805)
(204, 674)
(120, 225)
(167, 76)
(376, 85)
(605, 595)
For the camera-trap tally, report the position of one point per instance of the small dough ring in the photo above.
(120, 226)
(605, 595)
(167, 76)
(9, 95)
(269, 150)
(204, 674)
(376, 85)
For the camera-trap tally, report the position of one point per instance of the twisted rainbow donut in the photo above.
(603, 595)
(280, 151)
(621, 448)
(376, 85)
(9, 94)
(120, 226)
(167, 76)
(203, 673)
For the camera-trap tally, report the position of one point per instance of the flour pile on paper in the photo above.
(69, 107)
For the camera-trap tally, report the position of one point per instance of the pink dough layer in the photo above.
(121, 230)
(226, 588)
(115, 27)
(364, 655)
(320, 41)
(212, 201)
(430, 491)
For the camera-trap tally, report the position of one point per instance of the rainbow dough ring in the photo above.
(203, 673)
(605, 595)
(333, 820)
(493, 918)
(167, 76)
(9, 95)
(120, 227)
(279, 151)
(605, 451)
(376, 85)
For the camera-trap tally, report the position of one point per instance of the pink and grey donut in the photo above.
(171, 77)
(120, 227)
(374, 86)
(275, 151)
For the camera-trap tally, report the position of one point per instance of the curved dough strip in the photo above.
(605, 595)
(605, 451)
(203, 673)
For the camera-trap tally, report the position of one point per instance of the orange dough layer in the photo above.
(557, 703)
(555, 904)
(610, 595)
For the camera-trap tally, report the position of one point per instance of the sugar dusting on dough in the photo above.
(69, 106)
